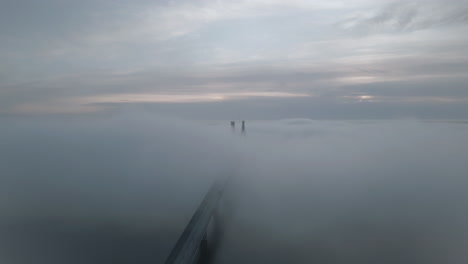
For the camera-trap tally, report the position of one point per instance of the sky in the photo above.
(219, 59)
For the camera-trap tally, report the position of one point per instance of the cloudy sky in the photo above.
(236, 59)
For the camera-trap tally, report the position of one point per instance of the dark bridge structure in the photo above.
(192, 246)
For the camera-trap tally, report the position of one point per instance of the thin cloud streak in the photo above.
(409, 16)
(184, 98)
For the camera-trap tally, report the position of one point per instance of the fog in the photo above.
(121, 189)
(352, 192)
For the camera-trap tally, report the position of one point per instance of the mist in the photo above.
(105, 190)
(121, 189)
(351, 192)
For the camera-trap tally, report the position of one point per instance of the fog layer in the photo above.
(121, 190)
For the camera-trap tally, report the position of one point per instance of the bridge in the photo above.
(192, 245)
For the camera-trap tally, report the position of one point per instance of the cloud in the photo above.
(348, 192)
(112, 190)
(53, 37)
(315, 91)
(223, 49)
(409, 16)
(77, 191)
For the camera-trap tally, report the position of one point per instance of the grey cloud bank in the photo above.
(102, 191)
(121, 190)
(352, 192)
